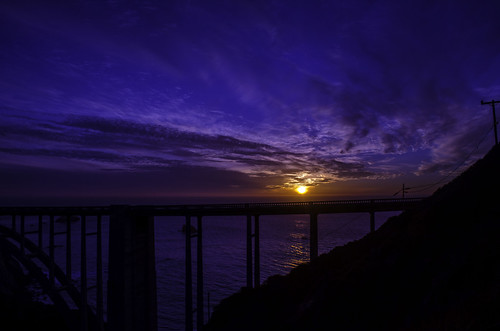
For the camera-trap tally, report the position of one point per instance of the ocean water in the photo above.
(284, 244)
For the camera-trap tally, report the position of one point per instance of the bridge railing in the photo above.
(243, 208)
(151, 209)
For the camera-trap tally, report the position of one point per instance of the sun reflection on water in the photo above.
(298, 250)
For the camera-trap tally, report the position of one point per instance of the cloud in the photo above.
(461, 147)
(111, 143)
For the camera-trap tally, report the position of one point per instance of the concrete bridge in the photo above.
(131, 290)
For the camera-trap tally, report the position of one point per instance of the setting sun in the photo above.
(301, 189)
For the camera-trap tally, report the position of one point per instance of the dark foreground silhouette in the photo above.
(18, 309)
(435, 268)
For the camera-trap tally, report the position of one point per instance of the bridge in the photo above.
(131, 291)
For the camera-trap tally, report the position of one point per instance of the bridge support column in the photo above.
(68, 247)
(83, 274)
(372, 221)
(257, 252)
(313, 230)
(99, 293)
(188, 228)
(249, 252)
(51, 251)
(189, 278)
(253, 253)
(22, 233)
(132, 273)
(40, 231)
(199, 277)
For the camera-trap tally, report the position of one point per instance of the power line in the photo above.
(492, 103)
(426, 187)
(403, 191)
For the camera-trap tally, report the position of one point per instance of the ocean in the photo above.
(284, 244)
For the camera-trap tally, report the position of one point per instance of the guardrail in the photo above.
(166, 209)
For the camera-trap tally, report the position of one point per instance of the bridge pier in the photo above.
(51, 251)
(256, 251)
(22, 233)
(200, 318)
(313, 235)
(253, 252)
(132, 274)
(188, 291)
(83, 274)
(372, 215)
(372, 221)
(249, 252)
(199, 276)
(40, 231)
(68, 247)
(99, 292)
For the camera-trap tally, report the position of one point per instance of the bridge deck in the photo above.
(270, 208)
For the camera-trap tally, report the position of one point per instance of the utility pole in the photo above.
(492, 102)
(403, 191)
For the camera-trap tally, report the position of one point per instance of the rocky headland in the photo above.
(433, 268)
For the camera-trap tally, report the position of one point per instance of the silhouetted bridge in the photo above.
(131, 290)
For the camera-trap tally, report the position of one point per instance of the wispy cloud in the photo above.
(126, 145)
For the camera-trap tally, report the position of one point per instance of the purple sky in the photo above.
(234, 98)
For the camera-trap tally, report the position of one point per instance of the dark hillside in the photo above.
(435, 268)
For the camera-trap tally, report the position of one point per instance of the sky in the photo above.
(156, 100)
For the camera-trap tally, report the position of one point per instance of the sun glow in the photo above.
(301, 189)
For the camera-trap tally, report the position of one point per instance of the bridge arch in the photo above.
(47, 273)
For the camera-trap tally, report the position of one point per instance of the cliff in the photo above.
(434, 268)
